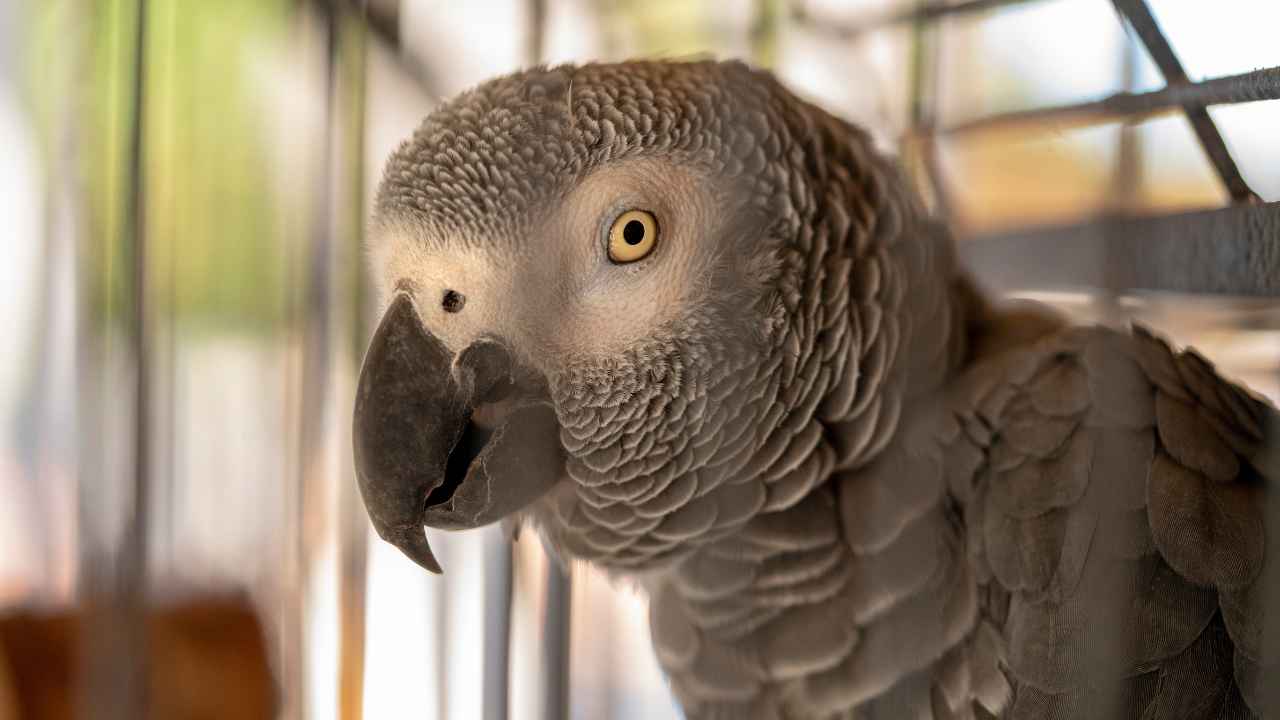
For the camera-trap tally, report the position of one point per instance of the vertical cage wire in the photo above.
(115, 473)
(558, 592)
(556, 633)
(1123, 184)
(499, 569)
(309, 319)
(352, 524)
(925, 56)
(164, 249)
(330, 312)
(443, 636)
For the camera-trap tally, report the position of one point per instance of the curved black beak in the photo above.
(449, 442)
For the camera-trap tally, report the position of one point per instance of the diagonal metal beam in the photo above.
(1233, 252)
(925, 12)
(1148, 31)
(1230, 90)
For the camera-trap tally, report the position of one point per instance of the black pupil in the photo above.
(633, 232)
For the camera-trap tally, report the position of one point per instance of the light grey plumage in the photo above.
(851, 487)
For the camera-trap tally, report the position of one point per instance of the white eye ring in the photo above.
(633, 236)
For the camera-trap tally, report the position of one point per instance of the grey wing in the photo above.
(1115, 496)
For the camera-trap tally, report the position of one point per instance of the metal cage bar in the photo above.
(1148, 30)
(114, 578)
(1233, 251)
(114, 575)
(1247, 87)
(352, 526)
(554, 676)
(498, 587)
(925, 64)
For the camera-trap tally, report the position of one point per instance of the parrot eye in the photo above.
(633, 235)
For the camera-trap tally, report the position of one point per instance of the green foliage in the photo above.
(216, 198)
(660, 28)
(221, 210)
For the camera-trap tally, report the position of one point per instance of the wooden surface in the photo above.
(208, 661)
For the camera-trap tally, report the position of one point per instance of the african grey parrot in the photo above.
(698, 332)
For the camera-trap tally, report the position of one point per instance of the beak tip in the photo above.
(413, 543)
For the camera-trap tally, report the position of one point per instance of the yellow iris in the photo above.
(633, 236)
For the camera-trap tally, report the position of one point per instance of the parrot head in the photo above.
(617, 299)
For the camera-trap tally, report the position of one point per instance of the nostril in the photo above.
(453, 301)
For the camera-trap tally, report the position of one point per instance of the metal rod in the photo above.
(554, 678)
(762, 35)
(925, 12)
(1122, 195)
(497, 626)
(134, 569)
(165, 487)
(1233, 89)
(1148, 31)
(1234, 252)
(1270, 576)
(499, 561)
(383, 27)
(317, 341)
(556, 630)
(353, 527)
(925, 57)
(1126, 175)
(536, 35)
(443, 634)
(116, 577)
(310, 316)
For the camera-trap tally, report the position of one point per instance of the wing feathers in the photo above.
(1193, 441)
(1118, 489)
(1211, 533)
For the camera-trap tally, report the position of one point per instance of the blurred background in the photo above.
(183, 190)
